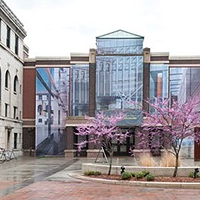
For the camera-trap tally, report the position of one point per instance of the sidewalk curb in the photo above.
(174, 185)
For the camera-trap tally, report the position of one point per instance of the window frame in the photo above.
(8, 35)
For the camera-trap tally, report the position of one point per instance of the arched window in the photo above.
(40, 109)
(15, 84)
(7, 77)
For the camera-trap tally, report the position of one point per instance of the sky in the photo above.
(61, 27)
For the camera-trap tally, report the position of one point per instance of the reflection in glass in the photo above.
(119, 75)
(52, 100)
(80, 90)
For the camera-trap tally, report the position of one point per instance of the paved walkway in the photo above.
(48, 178)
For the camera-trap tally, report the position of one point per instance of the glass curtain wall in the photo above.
(184, 84)
(177, 84)
(80, 90)
(119, 75)
(52, 107)
(158, 82)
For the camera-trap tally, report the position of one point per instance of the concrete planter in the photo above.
(157, 171)
(70, 153)
(93, 153)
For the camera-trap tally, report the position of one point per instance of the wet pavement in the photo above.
(16, 174)
(49, 179)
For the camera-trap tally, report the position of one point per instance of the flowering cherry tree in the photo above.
(168, 126)
(101, 131)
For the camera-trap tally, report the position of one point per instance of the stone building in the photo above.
(12, 52)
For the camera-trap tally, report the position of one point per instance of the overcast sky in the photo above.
(58, 27)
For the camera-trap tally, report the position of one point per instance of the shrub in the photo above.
(168, 160)
(126, 175)
(89, 173)
(147, 160)
(133, 174)
(97, 173)
(139, 175)
(191, 175)
(150, 177)
(145, 173)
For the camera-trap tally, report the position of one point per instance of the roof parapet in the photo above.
(8, 12)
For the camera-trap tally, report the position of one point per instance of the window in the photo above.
(82, 75)
(8, 37)
(40, 110)
(20, 138)
(59, 117)
(15, 112)
(15, 84)
(6, 109)
(20, 114)
(0, 29)
(76, 75)
(7, 79)
(15, 140)
(16, 44)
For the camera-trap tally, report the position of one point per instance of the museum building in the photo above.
(44, 99)
(108, 78)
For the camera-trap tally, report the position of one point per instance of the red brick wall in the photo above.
(29, 92)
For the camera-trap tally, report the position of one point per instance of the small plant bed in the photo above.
(139, 177)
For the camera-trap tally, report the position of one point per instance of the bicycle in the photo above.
(6, 155)
(12, 154)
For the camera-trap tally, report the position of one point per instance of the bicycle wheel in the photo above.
(12, 155)
(7, 155)
(2, 158)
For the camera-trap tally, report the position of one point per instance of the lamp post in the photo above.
(196, 171)
(122, 169)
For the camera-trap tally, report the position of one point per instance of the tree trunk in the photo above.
(110, 162)
(176, 166)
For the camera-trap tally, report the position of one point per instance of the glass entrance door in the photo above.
(124, 149)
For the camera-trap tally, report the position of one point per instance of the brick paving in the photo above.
(5, 184)
(84, 190)
(46, 179)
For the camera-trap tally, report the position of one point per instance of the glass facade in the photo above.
(176, 81)
(119, 46)
(181, 83)
(119, 74)
(184, 83)
(52, 107)
(80, 90)
(159, 81)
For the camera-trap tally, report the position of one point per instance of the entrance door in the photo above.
(124, 149)
(8, 139)
(78, 139)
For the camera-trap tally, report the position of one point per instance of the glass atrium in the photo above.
(119, 74)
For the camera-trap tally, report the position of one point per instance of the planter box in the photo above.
(157, 171)
(93, 153)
